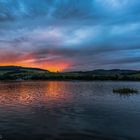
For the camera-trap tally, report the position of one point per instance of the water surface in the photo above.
(51, 110)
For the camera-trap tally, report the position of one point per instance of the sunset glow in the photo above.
(69, 35)
(54, 67)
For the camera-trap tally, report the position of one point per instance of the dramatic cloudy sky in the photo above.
(70, 34)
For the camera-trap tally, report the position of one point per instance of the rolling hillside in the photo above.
(25, 73)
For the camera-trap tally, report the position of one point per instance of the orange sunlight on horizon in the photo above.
(49, 63)
(52, 67)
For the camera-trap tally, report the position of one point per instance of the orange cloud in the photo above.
(50, 62)
(51, 66)
(54, 66)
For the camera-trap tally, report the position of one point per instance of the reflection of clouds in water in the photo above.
(29, 93)
(56, 91)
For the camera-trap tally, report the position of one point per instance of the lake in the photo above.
(68, 110)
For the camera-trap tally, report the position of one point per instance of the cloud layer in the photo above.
(70, 34)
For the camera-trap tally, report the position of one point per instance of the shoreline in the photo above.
(68, 80)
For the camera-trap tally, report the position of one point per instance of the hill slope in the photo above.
(17, 72)
(24, 73)
(18, 68)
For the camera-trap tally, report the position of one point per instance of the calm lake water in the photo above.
(51, 110)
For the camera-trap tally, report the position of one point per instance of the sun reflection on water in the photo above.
(28, 93)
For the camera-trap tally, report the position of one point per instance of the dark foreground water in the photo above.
(68, 111)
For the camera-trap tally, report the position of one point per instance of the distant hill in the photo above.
(20, 69)
(114, 74)
(25, 73)
(17, 72)
(109, 72)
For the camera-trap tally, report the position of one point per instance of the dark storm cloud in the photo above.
(91, 34)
